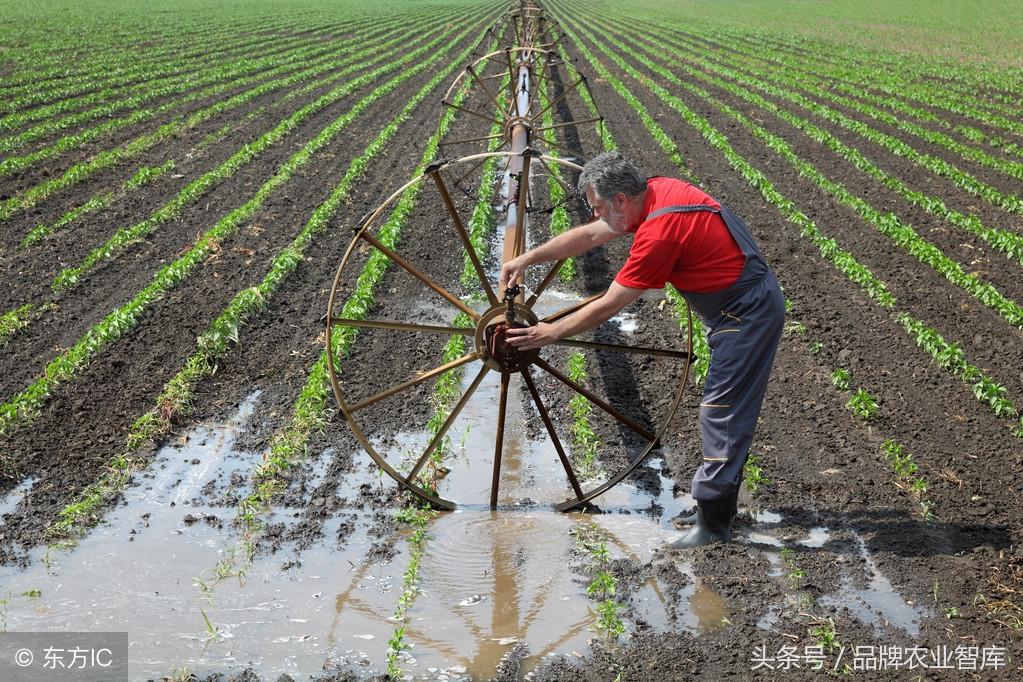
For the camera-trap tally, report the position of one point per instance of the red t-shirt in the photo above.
(693, 251)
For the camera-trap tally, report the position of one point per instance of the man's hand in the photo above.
(528, 338)
(513, 271)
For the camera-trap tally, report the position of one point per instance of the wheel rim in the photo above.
(480, 362)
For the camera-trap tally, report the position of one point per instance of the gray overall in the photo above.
(744, 324)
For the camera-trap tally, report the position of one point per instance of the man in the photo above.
(684, 237)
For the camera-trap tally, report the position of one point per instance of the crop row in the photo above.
(212, 345)
(894, 90)
(228, 73)
(986, 390)
(279, 66)
(201, 185)
(792, 80)
(309, 413)
(938, 166)
(142, 177)
(105, 159)
(447, 391)
(1006, 241)
(856, 79)
(888, 224)
(198, 187)
(132, 95)
(913, 73)
(26, 403)
(678, 304)
(119, 66)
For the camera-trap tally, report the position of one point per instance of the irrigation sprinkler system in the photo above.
(505, 90)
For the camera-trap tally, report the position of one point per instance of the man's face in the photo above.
(607, 210)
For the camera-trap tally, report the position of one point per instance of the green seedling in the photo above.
(212, 631)
(753, 474)
(863, 405)
(825, 635)
(603, 586)
(795, 574)
(841, 378)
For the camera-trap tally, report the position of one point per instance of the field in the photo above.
(178, 186)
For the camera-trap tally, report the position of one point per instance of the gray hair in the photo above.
(610, 173)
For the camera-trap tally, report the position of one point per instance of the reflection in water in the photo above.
(710, 608)
(491, 579)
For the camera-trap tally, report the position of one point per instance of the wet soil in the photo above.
(828, 544)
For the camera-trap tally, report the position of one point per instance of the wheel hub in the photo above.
(492, 340)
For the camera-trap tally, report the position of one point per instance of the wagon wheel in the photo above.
(488, 353)
(499, 98)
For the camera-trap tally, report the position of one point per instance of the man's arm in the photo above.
(587, 317)
(567, 244)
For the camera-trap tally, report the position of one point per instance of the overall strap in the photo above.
(682, 208)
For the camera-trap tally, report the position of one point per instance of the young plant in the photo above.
(841, 378)
(863, 405)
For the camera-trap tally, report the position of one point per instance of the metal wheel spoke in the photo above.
(619, 348)
(499, 442)
(592, 397)
(402, 326)
(560, 97)
(548, 278)
(436, 371)
(520, 217)
(464, 236)
(459, 107)
(483, 86)
(565, 125)
(557, 178)
(452, 416)
(424, 278)
(565, 312)
(552, 433)
(558, 145)
(476, 165)
(511, 76)
(451, 143)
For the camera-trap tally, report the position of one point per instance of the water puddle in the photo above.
(489, 582)
(817, 537)
(879, 603)
(13, 498)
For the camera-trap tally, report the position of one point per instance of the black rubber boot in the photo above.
(692, 518)
(713, 520)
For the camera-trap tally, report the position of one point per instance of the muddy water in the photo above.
(488, 580)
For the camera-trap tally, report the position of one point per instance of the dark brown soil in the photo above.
(825, 467)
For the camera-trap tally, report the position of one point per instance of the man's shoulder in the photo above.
(674, 192)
